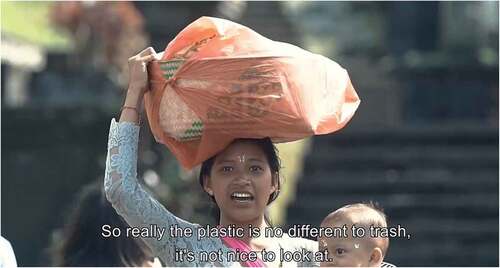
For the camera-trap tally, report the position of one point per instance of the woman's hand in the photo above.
(138, 84)
(138, 74)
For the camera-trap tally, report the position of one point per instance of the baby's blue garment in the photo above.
(140, 209)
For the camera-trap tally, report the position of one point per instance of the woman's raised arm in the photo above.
(142, 212)
(138, 85)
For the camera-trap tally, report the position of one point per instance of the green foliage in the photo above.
(30, 21)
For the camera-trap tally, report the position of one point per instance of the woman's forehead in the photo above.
(241, 151)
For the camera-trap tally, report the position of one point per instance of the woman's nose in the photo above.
(241, 177)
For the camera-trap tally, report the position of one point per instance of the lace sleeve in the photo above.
(133, 203)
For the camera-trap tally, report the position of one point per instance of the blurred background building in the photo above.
(423, 144)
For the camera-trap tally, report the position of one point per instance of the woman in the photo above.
(82, 240)
(242, 180)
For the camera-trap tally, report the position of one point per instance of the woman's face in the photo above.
(241, 182)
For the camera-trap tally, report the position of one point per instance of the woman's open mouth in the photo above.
(242, 196)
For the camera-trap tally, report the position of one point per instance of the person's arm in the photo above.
(137, 86)
(7, 256)
(127, 196)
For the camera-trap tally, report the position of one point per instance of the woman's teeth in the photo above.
(242, 196)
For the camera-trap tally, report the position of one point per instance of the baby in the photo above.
(364, 251)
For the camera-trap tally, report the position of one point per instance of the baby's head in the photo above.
(352, 251)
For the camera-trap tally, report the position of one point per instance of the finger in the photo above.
(133, 58)
(143, 60)
(147, 51)
(159, 55)
(147, 58)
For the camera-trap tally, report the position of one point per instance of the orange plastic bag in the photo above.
(218, 81)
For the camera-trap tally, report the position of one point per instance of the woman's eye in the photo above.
(227, 169)
(340, 251)
(256, 169)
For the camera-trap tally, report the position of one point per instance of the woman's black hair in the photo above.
(81, 242)
(271, 153)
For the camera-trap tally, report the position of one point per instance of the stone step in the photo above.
(261, 13)
(313, 208)
(394, 181)
(268, 19)
(412, 135)
(438, 252)
(61, 126)
(322, 157)
(446, 228)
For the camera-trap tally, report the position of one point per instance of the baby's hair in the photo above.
(376, 219)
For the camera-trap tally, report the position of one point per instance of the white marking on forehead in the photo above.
(241, 157)
(356, 245)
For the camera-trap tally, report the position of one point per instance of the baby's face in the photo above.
(346, 252)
